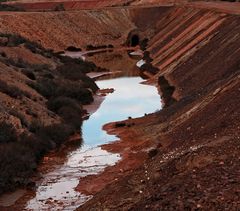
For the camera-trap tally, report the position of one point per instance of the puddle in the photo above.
(140, 63)
(75, 55)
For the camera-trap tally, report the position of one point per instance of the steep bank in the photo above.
(60, 30)
(42, 94)
(194, 162)
(56, 5)
(195, 165)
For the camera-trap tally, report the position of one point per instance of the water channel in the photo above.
(56, 189)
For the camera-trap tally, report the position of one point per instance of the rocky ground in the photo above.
(193, 154)
(185, 156)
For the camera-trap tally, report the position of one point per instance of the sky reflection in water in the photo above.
(130, 98)
(56, 191)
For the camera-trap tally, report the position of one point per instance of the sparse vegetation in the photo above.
(65, 88)
(69, 109)
(73, 49)
(7, 7)
(120, 124)
(7, 133)
(29, 74)
(59, 7)
(12, 91)
(19, 160)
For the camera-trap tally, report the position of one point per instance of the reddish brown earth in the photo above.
(43, 5)
(68, 5)
(185, 156)
(196, 162)
(60, 30)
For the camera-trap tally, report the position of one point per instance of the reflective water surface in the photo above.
(130, 99)
(56, 188)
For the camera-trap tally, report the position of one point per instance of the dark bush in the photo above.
(3, 54)
(48, 76)
(38, 67)
(84, 66)
(75, 72)
(7, 133)
(16, 63)
(72, 71)
(69, 109)
(29, 74)
(32, 46)
(12, 91)
(17, 163)
(120, 124)
(46, 87)
(73, 49)
(20, 116)
(51, 89)
(15, 40)
(59, 7)
(71, 116)
(38, 146)
(58, 133)
(75, 91)
(55, 104)
(7, 7)
(35, 126)
(18, 160)
(91, 47)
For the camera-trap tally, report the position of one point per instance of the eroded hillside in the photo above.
(60, 30)
(195, 162)
(185, 156)
(41, 105)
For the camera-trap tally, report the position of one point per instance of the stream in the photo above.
(56, 188)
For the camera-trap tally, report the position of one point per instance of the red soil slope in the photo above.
(60, 30)
(196, 162)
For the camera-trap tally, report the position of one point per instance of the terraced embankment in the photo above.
(196, 162)
(187, 155)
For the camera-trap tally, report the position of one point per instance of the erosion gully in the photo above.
(61, 171)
